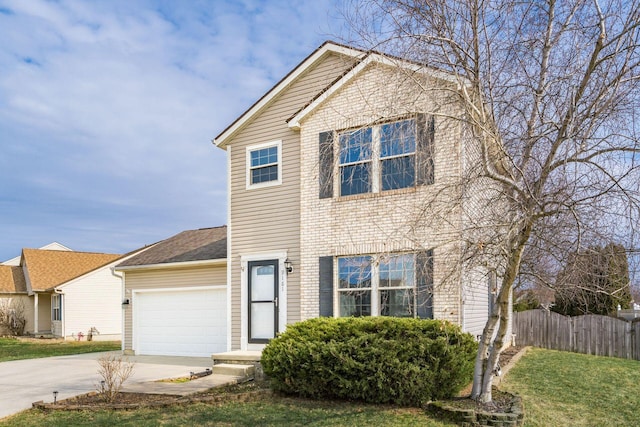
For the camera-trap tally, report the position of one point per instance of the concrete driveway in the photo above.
(23, 382)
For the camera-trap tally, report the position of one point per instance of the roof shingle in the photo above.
(49, 268)
(12, 280)
(192, 245)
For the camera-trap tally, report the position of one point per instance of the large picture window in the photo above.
(380, 285)
(264, 164)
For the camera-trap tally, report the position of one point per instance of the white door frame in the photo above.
(281, 256)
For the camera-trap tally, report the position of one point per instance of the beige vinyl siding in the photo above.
(167, 278)
(93, 301)
(268, 219)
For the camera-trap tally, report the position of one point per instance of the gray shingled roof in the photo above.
(192, 245)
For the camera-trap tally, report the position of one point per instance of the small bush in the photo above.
(372, 359)
(114, 371)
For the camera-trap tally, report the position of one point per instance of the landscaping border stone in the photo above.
(471, 417)
(248, 396)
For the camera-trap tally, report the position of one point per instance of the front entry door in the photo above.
(263, 300)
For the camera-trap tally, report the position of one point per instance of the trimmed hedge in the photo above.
(372, 359)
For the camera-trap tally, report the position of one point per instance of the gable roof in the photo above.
(204, 244)
(326, 48)
(12, 280)
(47, 269)
(362, 57)
(370, 58)
(52, 246)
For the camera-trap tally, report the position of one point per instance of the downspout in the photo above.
(122, 295)
(36, 309)
(463, 167)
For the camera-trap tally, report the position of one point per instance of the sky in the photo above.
(108, 109)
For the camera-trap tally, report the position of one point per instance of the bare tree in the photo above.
(549, 90)
(12, 316)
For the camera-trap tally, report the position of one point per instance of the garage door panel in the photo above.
(181, 323)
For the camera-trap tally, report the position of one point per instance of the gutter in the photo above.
(202, 263)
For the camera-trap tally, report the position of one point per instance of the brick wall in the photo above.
(392, 221)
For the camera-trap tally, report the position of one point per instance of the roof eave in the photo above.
(295, 121)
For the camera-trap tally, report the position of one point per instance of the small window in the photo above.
(264, 164)
(355, 162)
(397, 285)
(397, 154)
(56, 307)
(354, 286)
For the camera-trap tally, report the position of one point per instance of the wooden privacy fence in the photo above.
(589, 334)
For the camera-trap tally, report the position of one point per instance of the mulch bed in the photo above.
(237, 392)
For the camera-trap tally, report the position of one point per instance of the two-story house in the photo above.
(339, 182)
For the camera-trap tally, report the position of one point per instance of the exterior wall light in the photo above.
(288, 266)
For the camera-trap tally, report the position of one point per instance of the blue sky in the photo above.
(108, 108)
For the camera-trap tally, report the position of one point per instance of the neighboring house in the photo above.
(53, 246)
(329, 173)
(14, 296)
(67, 293)
(175, 295)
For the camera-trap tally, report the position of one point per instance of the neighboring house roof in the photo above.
(55, 246)
(12, 280)
(47, 269)
(325, 49)
(193, 245)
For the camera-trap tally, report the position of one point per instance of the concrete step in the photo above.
(237, 370)
(237, 356)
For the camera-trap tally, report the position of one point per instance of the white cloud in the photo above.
(107, 109)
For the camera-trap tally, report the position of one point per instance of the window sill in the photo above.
(399, 191)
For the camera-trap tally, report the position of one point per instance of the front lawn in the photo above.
(21, 348)
(558, 389)
(570, 389)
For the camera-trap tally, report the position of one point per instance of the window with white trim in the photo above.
(377, 285)
(378, 158)
(56, 307)
(387, 156)
(264, 164)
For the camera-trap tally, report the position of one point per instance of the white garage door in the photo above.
(180, 323)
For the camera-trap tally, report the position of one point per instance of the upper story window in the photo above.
(356, 155)
(383, 157)
(264, 164)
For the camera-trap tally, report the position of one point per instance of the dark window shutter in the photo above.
(424, 149)
(326, 286)
(424, 284)
(325, 165)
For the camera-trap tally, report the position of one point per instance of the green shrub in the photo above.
(373, 359)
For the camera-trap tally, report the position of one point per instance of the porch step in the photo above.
(240, 358)
(234, 369)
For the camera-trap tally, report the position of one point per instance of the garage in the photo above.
(184, 322)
